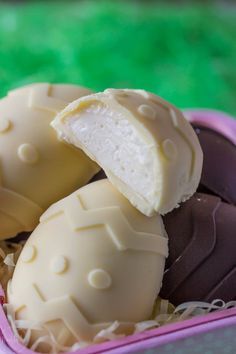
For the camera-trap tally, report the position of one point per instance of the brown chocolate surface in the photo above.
(202, 251)
(100, 175)
(219, 164)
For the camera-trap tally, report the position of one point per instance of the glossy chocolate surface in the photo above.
(219, 164)
(202, 257)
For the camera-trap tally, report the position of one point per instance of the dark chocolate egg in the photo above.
(202, 251)
(219, 164)
(217, 136)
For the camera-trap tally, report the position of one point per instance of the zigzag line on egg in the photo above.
(126, 238)
(41, 99)
(65, 309)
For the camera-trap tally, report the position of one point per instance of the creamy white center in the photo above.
(116, 145)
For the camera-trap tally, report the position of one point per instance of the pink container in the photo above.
(214, 333)
(208, 334)
(219, 121)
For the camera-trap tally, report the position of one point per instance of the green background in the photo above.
(185, 53)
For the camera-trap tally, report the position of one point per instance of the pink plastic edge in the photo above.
(157, 337)
(219, 121)
(168, 333)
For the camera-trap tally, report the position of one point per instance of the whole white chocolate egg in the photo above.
(36, 169)
(92, 260)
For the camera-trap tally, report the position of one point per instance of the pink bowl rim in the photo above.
(213, 119)
(158, 336)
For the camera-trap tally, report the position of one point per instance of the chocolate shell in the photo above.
(219, 164)
(100, 175)
(202, 251)
(217, 135)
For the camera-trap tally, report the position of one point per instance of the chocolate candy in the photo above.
(144, 144)
(92, 260)
(217, 135)
(202, 243)
(219, 164)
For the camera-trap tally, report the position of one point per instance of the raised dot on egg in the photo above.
(5, 124)
(99, 279)
(169, 149)
(27, 153)
(147, 111)
(28, 254)
(59, 264)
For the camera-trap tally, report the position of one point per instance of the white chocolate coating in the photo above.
(36, 169)
(92, 260)
(145, 145)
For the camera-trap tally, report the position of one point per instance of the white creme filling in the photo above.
(116, 145)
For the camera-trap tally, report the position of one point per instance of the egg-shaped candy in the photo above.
(216, 132)
(92, 260)
(146, 147)
(202, 240)
(36, 169)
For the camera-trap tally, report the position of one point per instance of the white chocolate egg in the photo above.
(36, 169)
(147, 148)
(92, 260)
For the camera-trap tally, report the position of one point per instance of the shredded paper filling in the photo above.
(163, 313)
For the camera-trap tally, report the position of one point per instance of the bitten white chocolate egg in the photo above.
(92, 260)
(145, 145)
(36, 169)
